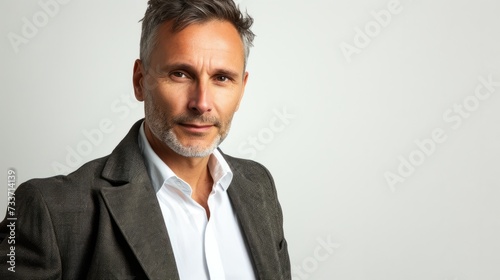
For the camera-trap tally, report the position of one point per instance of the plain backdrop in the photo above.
(378, 119)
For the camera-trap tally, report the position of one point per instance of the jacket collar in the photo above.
(133, 205)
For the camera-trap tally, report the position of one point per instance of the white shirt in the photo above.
(203, 248)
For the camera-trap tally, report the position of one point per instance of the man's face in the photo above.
(192, 86)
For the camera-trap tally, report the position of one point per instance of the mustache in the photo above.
(199, 119)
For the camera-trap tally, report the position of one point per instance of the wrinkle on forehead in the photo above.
(205, 46)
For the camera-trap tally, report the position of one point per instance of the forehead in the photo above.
(215, 40)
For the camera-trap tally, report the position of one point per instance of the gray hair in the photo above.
(187, 12)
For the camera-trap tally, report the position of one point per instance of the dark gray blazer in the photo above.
(103, 221)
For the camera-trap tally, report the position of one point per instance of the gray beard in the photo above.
(170, 139)
(156, 122)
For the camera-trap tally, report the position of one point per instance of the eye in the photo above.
(222, 78)
(178, 74)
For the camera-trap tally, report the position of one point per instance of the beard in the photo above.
(161, 125)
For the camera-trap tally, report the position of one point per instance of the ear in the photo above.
(245, 79)
(137, 79)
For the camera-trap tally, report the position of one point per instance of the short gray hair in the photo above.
(187, 12)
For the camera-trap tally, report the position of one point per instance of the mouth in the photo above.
(196, 128)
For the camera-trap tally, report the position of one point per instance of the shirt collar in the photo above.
(160, 173)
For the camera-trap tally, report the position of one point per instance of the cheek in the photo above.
(168, 100)
(229, 100)
(235, 104)
(227, 114)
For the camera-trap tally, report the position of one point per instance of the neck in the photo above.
(192, 170)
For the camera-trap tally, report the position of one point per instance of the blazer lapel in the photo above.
(252, 209)
(134, 207)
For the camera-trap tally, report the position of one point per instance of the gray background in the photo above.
(330, 125)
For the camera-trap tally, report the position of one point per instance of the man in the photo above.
(166, 203)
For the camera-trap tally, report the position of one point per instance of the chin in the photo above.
(195, 149)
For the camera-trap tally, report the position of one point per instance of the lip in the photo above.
(196, 128)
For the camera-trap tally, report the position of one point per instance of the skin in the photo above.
(198, 73)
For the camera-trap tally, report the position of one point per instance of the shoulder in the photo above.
(84, 175)
(65, 190)
(247, 168)
(92, 175)
(257, 175)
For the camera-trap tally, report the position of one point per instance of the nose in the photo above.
(200, 101)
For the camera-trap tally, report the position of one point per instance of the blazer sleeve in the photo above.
(284, 257)
(28, 245)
